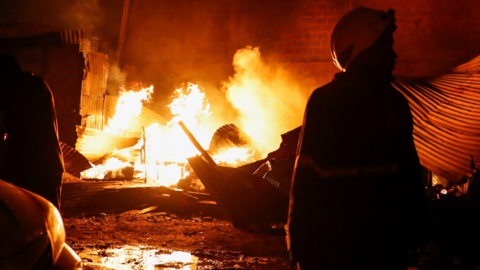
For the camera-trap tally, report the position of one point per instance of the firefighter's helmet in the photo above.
(32, 235)
(356, 31)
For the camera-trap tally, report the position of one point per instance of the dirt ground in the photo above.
(156, 241)
(133, 240)
(162, 240)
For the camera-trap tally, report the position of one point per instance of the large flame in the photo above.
(165, 148)
(129, 104)
(269, 102)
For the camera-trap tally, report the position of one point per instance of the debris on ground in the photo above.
(138, 240)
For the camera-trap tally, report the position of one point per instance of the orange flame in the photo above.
(234, 156)
(269, 101)
(166, 147)
(129, 104)
(99, 171)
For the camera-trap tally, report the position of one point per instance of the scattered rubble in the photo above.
(136, 240)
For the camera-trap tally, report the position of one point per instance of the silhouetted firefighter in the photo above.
(33, 158)
(357, 200)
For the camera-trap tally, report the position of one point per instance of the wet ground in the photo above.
(133, 240)
(138, 240)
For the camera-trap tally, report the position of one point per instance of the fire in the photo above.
(99, 172)
(234, 155)
(269, 100)
(129, 104)
(188, 104)
(165, 148)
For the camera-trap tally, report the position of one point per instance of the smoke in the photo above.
(83, 14)
(116, 78)
(268, 99)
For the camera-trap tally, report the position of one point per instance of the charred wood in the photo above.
(93, 198)
(249, 199)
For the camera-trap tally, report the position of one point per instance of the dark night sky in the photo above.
(101, 18)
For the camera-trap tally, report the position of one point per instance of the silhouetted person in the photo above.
(33, 158)
(357, 200)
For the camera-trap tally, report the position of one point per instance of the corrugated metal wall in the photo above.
(93, 90)
(446, 116)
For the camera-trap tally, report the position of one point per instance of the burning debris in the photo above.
(144, 147)
(159, 152)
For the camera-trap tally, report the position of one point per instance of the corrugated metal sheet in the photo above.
(446, 115)
(90, 108)
(73, 160)
(228, 136)
(93, 143)
(97, 63)
(93, 90)
(74, 37)
(71, 37)
(94, 84)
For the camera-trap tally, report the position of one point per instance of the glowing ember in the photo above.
(444, 191)
(234, 155)
(99, 172)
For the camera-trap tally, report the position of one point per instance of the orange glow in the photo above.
(129, 104)
(99, 172)
(235, 156)
(167, 147)
(130, 257)
(269, 100)
(266, 100)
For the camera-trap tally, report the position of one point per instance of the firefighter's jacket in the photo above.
(357, 183)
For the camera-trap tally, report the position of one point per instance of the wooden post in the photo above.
(204, 153)
(144, 154)
(123, 28)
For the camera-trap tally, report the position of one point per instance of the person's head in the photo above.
(10, 70)
(363, 40)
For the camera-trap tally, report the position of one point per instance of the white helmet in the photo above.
(32, 235)
(356, 31)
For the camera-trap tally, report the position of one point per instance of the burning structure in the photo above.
(133, 133)
(180, 70)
